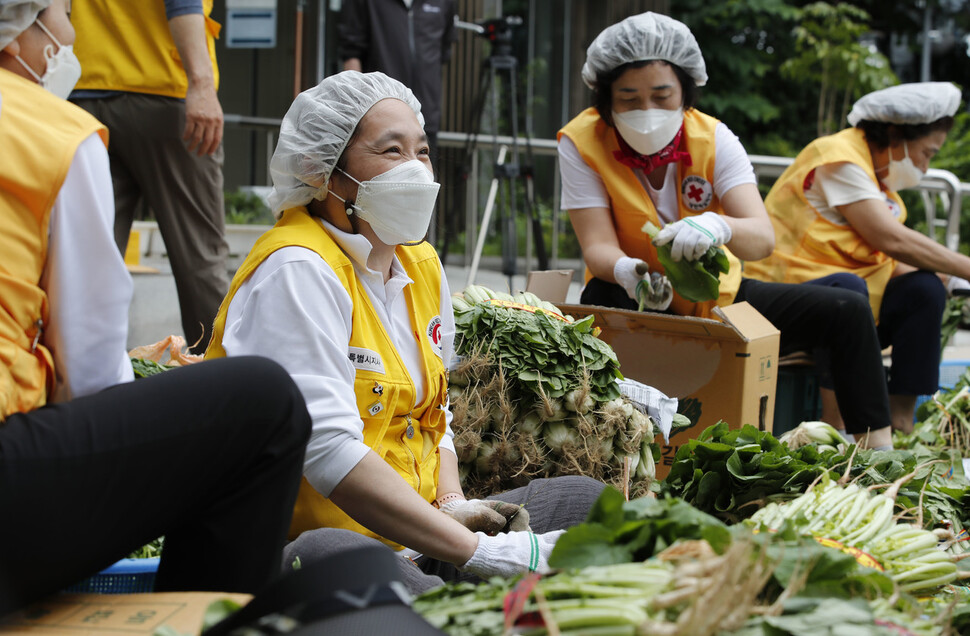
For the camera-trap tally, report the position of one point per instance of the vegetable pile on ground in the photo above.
(658, 566)
(535, 395)
(697, 281)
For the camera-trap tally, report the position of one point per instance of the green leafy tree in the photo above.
(829, 52)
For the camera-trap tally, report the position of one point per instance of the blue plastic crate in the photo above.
(128, 576)
(951, 371)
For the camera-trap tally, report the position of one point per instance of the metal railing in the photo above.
(936, 183)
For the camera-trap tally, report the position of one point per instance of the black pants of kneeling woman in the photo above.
(834, 320)
(210, 456)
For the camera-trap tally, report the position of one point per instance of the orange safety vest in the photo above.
(809, 246)
(39, 135)
(630, 204)
(405, 436)
(126, 45)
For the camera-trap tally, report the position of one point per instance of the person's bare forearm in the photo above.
(376, 497)
(188, 33)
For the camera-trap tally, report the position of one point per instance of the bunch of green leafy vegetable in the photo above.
(144, 368)
(540, 354)
(731, 472)
(618, 531)
(697, 281)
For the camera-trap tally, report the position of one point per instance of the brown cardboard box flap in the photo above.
(116, 614)
(551, 285)
(746, 320)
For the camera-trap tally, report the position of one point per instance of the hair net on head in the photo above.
(648, 36)
(16, 16)
(918, 103)
(316, 129)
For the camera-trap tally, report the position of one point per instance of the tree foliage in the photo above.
(830, 54)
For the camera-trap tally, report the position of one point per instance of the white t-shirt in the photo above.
(841, 184)
(582, 186)
(294, 310)
(88, 287)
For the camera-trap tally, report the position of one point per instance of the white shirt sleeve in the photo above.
(731, 164)
(294, 310)
(582, 187)
(86, 281)
(837, 184)
(447, 353)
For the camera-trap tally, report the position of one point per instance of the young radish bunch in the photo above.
(535, 395)
(858, 518)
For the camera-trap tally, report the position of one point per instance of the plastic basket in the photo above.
(951, 371)
(128, 576)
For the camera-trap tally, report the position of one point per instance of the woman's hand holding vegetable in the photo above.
(694, 235)
(512, 553)
(488, 516)
(651, 289)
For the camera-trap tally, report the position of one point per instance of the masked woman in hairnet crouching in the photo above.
(644, 153)
(837, 213)
(345, 295)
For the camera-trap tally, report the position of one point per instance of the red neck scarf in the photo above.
(670, 153)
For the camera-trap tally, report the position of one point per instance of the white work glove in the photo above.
(694, 235)
(655, 292)
(954, 283)
(486, 515)
(512, 553)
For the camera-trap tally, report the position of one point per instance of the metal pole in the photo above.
(489, 204)
(924, 67)
(321, 39)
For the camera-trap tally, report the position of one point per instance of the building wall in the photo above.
(550, 48)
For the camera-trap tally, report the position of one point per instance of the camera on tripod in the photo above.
(499, 30)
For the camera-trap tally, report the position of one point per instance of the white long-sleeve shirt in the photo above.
(295, 310)
(88, 287)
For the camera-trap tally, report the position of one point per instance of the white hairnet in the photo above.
(918, 103)
(316, 129)
(648, 36)
(16, 16)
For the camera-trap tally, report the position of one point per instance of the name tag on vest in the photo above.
(365, 359)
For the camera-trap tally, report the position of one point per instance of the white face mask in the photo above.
(397, 204)
(63, 68)
(903, 173)
(648, 131)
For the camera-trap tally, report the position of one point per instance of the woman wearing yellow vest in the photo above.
(343, 292)
(644, 153)
(836, 214)
(92, 464)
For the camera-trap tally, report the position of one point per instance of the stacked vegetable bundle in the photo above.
(535, 395)
(854, 518)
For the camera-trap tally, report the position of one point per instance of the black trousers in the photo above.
(210, 456)
(836, 321)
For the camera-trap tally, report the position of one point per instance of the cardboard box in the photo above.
(551, 285)
(118, 614)
(719, 369)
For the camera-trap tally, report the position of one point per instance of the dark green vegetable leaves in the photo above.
(145, 368)
(539, 352)
(618, 531)
(697, 281)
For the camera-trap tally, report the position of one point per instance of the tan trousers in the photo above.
(152, 168)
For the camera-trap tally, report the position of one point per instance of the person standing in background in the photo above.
(409, 40)
(150, 75)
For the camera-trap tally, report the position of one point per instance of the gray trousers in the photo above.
(553, 504)
(152, 167)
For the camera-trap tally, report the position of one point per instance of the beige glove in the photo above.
(487, 515)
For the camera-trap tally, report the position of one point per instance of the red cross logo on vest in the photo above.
(696, 192)
(433, 332)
